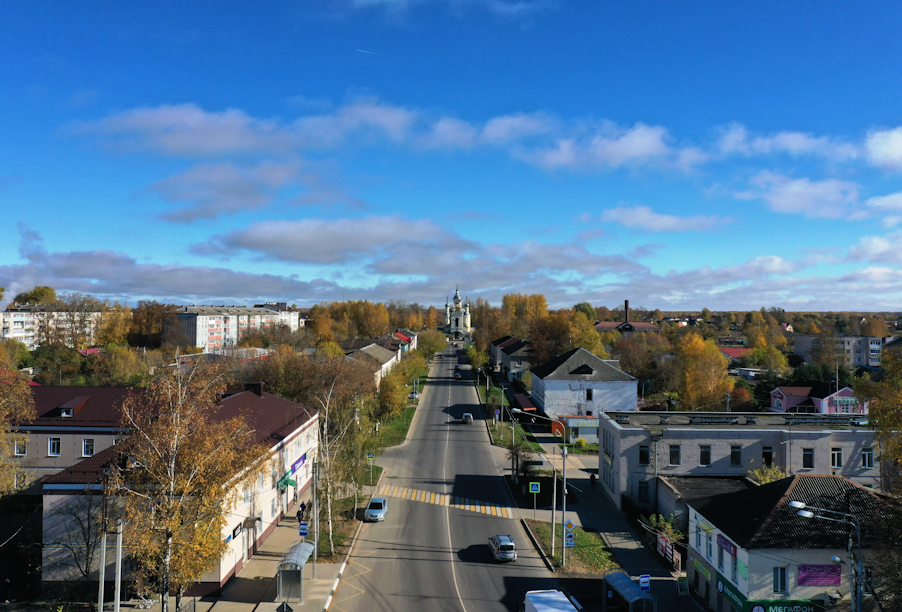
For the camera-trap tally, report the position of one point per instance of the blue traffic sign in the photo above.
(534, 487)
(569, 540)
(645, 582)
(303, 529)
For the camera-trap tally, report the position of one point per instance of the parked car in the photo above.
(414, 395)
(375, 510)
(503, 548)
(467, 418)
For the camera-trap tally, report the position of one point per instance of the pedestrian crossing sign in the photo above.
(534, 487)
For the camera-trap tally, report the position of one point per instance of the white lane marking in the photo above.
(448, 515)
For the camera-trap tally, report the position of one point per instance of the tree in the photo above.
(584, 335)
(38, 295)
(16, 406)
(476, 358)
(392, 395)
(432, 319)
(321, 321)
(702, 374)
(119, 366)
(430, 342)
(149, 322)
(884, 397)
(767, 473)
(189, 464)
(587, 309)
(113, 325)
(75, 527)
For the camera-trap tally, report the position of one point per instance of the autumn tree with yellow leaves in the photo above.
(702, 379)
(16, 406)
(181, 470)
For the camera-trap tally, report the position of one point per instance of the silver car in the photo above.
(503, 548)
(375, 511)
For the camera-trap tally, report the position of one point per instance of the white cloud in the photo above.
(644, 218)
(828, 198)
(884, 148)
(880, 249)
(735, 138)
(513, 128)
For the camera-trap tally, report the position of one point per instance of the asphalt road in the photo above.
(430, 555)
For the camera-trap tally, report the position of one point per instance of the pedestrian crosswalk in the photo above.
(461, 503)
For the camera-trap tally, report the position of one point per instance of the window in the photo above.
(780, 580)
(698, 537)
(589, 394)
(644, 455)
(19, 449)
(704, 455)
(767, 455)
(247, 495)
(272, 508)
(836, 457)
(53, 447)
(87, 447)
(734, 569)
(674, 454)
(644, 491)
(720, 558)
(867, 457)
(735, 456)
(708, 544)
(808, 458)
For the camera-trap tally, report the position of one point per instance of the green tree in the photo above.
(587, 309)
(38, 295)
(430, 342)
(476, 358)
(767, 473)
(119, 366)
(392, 395)
(884, 397)
(189, 466)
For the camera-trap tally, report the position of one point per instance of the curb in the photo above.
(347, 556)
(535, 543)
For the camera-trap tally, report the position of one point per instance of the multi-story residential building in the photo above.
(214, 327)
(579, 383)
(35, 324)
(287, 429)
(637, 448)
(292, 318)
(71, 424)
(858, 351)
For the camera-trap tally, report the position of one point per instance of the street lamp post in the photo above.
(554, 488)
(809, 512)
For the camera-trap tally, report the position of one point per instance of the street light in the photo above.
(808, 512)
(554, 488)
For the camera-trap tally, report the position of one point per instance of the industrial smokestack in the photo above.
(626, 311)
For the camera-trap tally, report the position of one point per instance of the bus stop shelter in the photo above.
(622, 594)
(290, 576)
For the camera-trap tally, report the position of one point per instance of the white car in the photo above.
(467, 418)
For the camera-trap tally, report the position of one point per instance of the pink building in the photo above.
(815, 397)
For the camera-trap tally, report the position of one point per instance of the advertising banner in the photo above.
(820, 575)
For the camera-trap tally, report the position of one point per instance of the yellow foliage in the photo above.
(702, 374)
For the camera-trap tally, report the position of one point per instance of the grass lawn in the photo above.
(590, 555)
(343, 528)
(394, 431)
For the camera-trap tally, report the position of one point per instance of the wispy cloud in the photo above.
(878, 249)
(884, 148)
(643, 218)
(828, 198)
(735, 139)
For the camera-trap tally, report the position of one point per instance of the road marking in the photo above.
(432, 498)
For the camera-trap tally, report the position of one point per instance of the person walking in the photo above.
(592, 479)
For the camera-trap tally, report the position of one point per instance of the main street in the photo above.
(446, 497)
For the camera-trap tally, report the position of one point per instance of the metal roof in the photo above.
(626, 587)
(296, 556)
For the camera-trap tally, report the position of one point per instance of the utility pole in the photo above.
(726, 397)
(315, 516)
(564, 509)
(553, 496)
(119, 565)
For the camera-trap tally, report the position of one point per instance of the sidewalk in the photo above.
(596, 511)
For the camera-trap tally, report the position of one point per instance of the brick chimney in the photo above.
(254, 387)
(626, 311)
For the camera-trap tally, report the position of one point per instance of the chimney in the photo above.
(626, 311)
(254, 387)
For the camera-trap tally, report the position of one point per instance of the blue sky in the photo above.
(680, 155)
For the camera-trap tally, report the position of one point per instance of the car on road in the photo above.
(375, 510)
(503, 548)
(457, 376)
(467, 418)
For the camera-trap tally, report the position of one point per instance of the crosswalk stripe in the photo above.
(432, 498)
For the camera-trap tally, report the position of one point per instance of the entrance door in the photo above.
(244, 546)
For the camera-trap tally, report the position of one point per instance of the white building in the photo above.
(457, 317)
(288, 429)
(33, 324)
(215, 327)
(292, 318)
(578, 383)
(856, 350)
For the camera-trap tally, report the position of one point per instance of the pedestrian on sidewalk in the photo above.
(592, 479)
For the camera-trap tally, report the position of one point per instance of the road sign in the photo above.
(497, 412)
(645, 582)
(371, 455)
(569, 540)
(569, 525)
(534, 487)
(303, 529)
